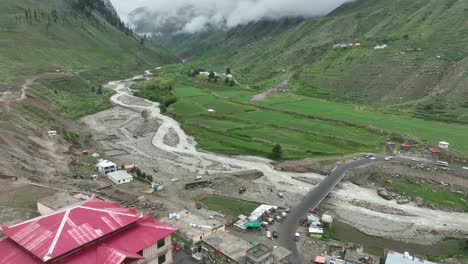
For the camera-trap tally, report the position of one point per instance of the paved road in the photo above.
(316, 196)
(311, 201)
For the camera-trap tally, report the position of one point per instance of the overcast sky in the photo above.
(191, 16)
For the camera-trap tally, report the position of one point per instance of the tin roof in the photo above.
(82, 229)
(398, 258)
(120, 175)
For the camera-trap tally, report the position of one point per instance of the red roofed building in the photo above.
(94, 231)
(406, 146)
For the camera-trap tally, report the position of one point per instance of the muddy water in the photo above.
(376, 245)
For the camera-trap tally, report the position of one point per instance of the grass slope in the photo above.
(304, 126)
(73, 42)
(423, 72)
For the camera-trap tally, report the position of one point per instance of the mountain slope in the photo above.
(59, 52)
(43, 36)
(423, 70)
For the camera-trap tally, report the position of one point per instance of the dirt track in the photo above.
(179, 158)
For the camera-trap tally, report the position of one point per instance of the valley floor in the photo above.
(166, 149)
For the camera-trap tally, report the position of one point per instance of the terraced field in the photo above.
(304, 126)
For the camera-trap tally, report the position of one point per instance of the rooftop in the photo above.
(58, 201)
(106, 163)
(84, 233)
(119, 175)
(195, 225)
(259, 251)
(229, 245)
(281, 253)
(398, 258)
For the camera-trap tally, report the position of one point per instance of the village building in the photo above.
(222, 248)
(105, 166)
(120, 177)
(393, 257)
(195, 227)
(91, 232)
(50, 204)
(261, 254)
(444, 145)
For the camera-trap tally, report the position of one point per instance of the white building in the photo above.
(105, 166)
(405, 258)
(120, 177)
(444, 145)
(379, 47)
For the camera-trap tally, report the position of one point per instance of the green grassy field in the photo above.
(228, 206)
(73, 43)
(74, 97)
(304, 126)
(431, 193)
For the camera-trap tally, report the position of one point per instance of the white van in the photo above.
(442, 163)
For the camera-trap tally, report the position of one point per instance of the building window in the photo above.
(161, 243)
(162, 259)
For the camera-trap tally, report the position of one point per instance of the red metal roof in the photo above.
(390, 143)
(435, 150)
(406, 145)
(85, 229)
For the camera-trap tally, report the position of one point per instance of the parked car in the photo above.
(297, 237)
(268, 234)
(278, 218)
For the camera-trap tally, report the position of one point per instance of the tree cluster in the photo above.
(143, 175)
(88, 6)
(157, 93)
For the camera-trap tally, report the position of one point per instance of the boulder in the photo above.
(384, 194)
(419, 201)
(403, 201)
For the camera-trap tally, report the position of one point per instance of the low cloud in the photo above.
(188, 16)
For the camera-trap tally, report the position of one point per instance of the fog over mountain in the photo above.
(188, 16)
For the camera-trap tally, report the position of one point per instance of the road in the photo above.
(289, 227)
(311, 201)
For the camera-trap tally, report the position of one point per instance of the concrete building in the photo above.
(91, 232)
(393, 257)
(194, 227)
(260, 254)
(50, 204)
(222, 248)
(120, 177)
(105, 166)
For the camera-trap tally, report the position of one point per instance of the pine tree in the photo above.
(99, 90)
(276, 152)
(212, 75)
(228, 71)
